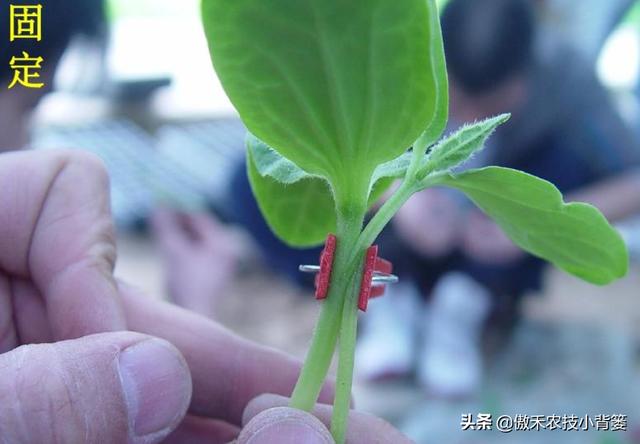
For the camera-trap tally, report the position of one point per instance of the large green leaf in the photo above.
(300, 213)
(336, 86)
(575, 237)
(439, 72)
(298, 207)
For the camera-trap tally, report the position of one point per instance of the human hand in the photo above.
(57, 248)
(485, 241)
(199, 256)
(190, 386)
(268, 421)
(429, 222)
(122, 387)
(57, 251)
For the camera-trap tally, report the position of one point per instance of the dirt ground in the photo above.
(577, 351)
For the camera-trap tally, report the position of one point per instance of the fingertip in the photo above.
(284, 425)
(157, 387)
(261, 403)
(111, 387)
(269, 400)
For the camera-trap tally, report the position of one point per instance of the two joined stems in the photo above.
(339, 315)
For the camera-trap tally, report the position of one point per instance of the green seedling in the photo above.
(344, 97)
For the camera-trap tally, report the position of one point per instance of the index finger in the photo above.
(56, 230)
(227, 371)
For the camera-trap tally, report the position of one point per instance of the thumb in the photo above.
(114, 387)
(283, 425)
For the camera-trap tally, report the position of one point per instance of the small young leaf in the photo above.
(300, 213)
(337, 87)
(448, 153)
(395, 168)
(575, 237)
(461, 145)
(270, 163)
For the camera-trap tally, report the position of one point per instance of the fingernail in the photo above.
(156, 385)
(287, 432)
(284, 426)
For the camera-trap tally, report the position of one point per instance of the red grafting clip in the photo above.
(367, 277)
(383, 266)
(372, 263)
(376, 270)
(326, 264)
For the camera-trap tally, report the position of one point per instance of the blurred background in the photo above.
(475, 326)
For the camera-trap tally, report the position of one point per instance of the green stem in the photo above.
(325, 336)
(339, 312)
(385, 213)
(316, 365)
(408, 187)
(348, 330)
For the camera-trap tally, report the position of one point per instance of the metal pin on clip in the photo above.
(376, 273)
(379, 278)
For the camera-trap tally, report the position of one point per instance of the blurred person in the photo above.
(582, 24)
(563, 129)
(62, 20)
(86, 358)
(199, 256)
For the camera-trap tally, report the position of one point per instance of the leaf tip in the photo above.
(504, 117)
(500, 119)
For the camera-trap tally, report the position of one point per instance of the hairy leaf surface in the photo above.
(462, 144)
(337, 87)
(301, 213)
(575, 237)
(298, 206)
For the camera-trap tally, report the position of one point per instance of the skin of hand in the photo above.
(199, 256)
(429, 222)
(268, 421)
(68, 370)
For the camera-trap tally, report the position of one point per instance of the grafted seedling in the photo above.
(344, 97)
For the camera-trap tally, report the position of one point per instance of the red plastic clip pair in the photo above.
(376, 273)
(373, 265)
